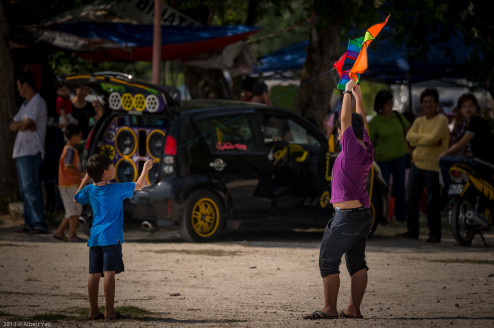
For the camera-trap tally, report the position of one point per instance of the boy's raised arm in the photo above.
(141, 182)
(83, 184)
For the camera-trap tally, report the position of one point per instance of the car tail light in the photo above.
(170, 146)
(170, 152)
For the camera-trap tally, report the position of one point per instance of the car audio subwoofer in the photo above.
(130, 146)
(126, 141)
(125, 170)
(154, 143)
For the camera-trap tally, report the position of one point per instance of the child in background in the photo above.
(64, 105)
(69, 175)
(105, 252)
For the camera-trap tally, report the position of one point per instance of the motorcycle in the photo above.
(471, 199)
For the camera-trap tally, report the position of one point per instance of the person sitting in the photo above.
(477, 133)
(459, 127)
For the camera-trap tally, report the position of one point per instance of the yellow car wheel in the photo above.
(204, 218)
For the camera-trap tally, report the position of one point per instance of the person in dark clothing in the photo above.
(477, 133)
(84, 111)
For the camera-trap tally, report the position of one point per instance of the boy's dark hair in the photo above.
(27, 77)
(357, 125)
(72, 130)
(248, 83)
(382, 98)
(430, 92)
(96, 165)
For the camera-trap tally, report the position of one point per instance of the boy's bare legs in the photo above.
(331, 285)
(109, 294)
(358, 285)
(73, 220)
(92, 288)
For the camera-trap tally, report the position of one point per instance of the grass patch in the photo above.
(203, 252)
(31, 279)
(391, 229)
(77, 314)
(132, 311)
(462, 261)
(4, 292)
(11, 245)
(49, 317)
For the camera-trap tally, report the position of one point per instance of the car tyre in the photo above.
(203, 219)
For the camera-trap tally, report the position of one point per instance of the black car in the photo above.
(216, 162)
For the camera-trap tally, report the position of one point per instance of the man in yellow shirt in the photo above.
(429, 135)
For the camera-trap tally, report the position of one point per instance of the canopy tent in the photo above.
(106, 41)
(387, 62)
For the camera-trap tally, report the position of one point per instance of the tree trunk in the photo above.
(318, 82)
(8, 175)
(206, 83)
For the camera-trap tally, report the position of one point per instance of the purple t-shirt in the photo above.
(350, 170)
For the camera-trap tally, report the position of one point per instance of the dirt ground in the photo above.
(246, 279)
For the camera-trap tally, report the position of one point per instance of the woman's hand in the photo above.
(356, 91)
(350, 84)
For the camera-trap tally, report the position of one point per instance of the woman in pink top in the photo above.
(347, 232)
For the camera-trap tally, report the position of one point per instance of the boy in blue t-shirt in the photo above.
(105, 252)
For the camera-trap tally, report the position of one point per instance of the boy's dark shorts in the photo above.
(345, 234)
(106, 258)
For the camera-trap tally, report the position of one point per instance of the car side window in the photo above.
(228, 133)
(278, 128)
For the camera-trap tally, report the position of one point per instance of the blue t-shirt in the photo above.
(351, 168)
(106, 201)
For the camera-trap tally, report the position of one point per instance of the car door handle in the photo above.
(218, 164)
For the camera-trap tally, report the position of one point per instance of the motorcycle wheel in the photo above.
(377, 213)
(462, 231)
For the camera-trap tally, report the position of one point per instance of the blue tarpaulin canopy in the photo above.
(387, 62)
(100, 41)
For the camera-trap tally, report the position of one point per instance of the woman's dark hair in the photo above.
(72, 130)
(430, 92)
(27, 77)
(382, 98)
(468, 96)
(96, 166)
(357, 125)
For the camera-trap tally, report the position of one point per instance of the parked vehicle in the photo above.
(471, 197)
(217, 162)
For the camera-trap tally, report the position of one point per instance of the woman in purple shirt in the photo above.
(347, 232)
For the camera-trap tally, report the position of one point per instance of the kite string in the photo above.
(211, 130)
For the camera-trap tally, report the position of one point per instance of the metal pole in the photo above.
(156, 42)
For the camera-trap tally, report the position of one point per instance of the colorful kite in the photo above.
(356, 56)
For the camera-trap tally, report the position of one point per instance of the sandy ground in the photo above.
(261, 279)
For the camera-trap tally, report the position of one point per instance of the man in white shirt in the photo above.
(29, 150)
